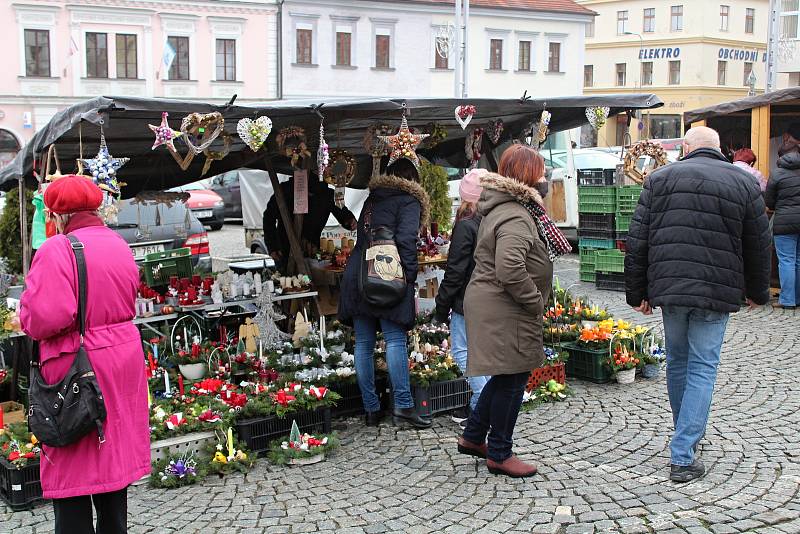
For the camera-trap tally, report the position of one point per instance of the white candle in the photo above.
(155, 352)
(166, 382)
(321, 336)
(260, 350)
(185, 339)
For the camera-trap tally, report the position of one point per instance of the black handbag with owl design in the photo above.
(382, 282)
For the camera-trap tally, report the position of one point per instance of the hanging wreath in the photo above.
(292, 142)
(436, 134)
(217, 155)
(495, 130)
(472, 146)
(372, 139)
(597, 116)
(342, 169)
(200, 130)
(643, 148)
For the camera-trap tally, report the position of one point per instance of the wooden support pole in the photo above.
(286, 217)
(759, 137)
(23, 227)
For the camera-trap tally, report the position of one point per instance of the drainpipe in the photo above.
(280, 49)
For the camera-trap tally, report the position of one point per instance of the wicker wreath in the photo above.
(643, 148)
(292, 143)
(340, 158)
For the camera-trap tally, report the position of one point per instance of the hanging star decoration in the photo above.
(103, 167)
(403, 144)
(164, 134)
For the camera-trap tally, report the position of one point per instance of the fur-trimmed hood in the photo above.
(406, 186)
(499, 190)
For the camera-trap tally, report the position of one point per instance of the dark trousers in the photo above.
(496, 414)
(74, 514)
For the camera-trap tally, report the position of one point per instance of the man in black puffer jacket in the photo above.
(783, 196)
(698, 244)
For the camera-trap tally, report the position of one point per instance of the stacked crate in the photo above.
(596, 227)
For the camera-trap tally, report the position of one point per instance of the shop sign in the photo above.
(735, 54)
(660, 53)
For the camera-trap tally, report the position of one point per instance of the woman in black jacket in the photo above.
(460, 264)
(400, 204)
(783, 196)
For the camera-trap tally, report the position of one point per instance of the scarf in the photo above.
(557, 244)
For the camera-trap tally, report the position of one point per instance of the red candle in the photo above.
(434, 230)
(184, 284)
(1, 417)
(180, 384)
(196, 280)
(173, 281)
(152, 363)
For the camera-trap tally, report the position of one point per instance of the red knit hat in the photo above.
(71, 194)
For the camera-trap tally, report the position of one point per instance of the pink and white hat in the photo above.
(470, 189)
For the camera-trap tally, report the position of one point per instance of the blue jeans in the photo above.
(787, 247)
(694, 340)
(458, 335)
(496, 414)
(396, 359)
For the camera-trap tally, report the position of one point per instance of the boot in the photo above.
(472, 449)
(373, 418)
(687, 473)
(512, 467)
(410, 416)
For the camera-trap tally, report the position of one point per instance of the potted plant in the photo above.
(591, 316)
(623, 364)
(194, 362)
(652, 356)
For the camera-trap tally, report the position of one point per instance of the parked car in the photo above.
(205, 204)
(150, 228)
(589, 158)
(227, 186)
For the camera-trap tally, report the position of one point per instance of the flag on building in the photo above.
(169, 55)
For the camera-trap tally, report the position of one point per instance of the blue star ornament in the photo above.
(103, 168)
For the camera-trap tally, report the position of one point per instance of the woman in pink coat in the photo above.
(87, 471)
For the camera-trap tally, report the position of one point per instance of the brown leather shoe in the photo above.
(472, 449)
(512, 467)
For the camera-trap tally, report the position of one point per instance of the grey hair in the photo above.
(701, 137)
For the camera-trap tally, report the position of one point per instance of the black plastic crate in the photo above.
(441, 396)
(596, 176)
(596, 234)
(20, 488)
(610, 281)
(259, 432)
(596, 221)
(587, 364)
(351, 402)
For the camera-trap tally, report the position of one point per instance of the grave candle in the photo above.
(166, 382)
(180, 384)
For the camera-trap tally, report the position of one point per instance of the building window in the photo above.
(588, 75)
(343, 49)
(649, 25)
(126, 56)
(179, 70)
(676, 19)
(554, 58)
(789, 18)
(621, 67)
(647, 73)
(496, 54)
(226, 60)
(97, 55)
(748, 69)
(724, 17)
(722, 72)
(383, 49)
(749, 20)
(622, 22)
(589, 29)
(37, 53)
(304, 47)
(674, 72)
(665, 126)
(524, 56)
(440, 62)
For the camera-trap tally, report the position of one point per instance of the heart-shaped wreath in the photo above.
(254, 132)
(464, 115)
(200, 130)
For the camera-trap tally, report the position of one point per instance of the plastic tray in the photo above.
(628, 198)
(587, 364)
(544, 374)
(589, 242)
(351, 402)
(596, 177)
(20, 488)
(596, 221)
(159, 266)
(441, 396)
(194, 443)
(622, 222)
(610, 261)
(259, 432)
(610, 281)
(597, 199)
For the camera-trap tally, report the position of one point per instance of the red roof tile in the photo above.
(560, 6)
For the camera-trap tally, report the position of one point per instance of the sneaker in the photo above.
(463, 424)
(687, 473)
(460, 414)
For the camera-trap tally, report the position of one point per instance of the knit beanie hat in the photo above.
(470, 188)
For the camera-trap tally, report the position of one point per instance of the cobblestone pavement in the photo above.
(603, 460)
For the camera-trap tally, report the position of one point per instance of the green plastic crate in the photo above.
(622, 222)
(597, 199)
(587, 255)
(587, 364)
(587, 274)
(628, 198)
(589, 242)
(159, 266)
(610, 261)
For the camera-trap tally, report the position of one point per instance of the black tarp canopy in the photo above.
(125, 123)
(743, 104)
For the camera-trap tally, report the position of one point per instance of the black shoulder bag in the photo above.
(62, 413)
(382, 282)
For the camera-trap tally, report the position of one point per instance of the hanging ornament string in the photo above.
(323, 157)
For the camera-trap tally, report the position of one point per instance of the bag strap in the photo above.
(80, 261)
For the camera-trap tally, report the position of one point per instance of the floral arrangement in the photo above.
(560, 333)
(300, 447)
(197, 353)
(435, 334)
(466, 111)
(290, 399)
(175, 417)
(622, 360)
(655, 355)
(436, 366)
(554, 357)
(596, 338)
(551, 391)
(176, 471)
(594, 313)
(229, 456)
(18, 446)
